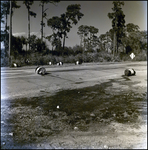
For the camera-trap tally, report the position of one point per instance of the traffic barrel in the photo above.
(60, 63)
(40, 70)
(14, 65)
(78, 62)
(130, 72)
(50, 63)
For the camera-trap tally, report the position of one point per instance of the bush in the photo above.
(141, 56)
(101, 56)
(77, 50)
(69, 59)
(4, 62)
(116, 58)
(105, 56)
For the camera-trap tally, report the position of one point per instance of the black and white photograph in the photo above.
(73, 74)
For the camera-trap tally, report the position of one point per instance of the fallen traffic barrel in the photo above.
(130, 72)
(78, 62)
(14, 65)
(40, 70)
(60, 63)
(50, 63)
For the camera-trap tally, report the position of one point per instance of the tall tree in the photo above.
(55, 38)
(130, 27)
(87, 35)
(5, 10)
(5, 6)
(17, 47)
(24, 42)
(80, 33)
(72, 16)
(105, 41)
(30, 13)
(118, 23)
(135, 40)
(92, 37)
(42, 3)
(63, 24)
(83, 32)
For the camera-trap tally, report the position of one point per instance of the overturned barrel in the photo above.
(78, 62)
(50, 63)
(14, 65)
(130, 72)
(60, 63)
(40, 70)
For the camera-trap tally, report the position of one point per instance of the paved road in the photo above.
(23, 81)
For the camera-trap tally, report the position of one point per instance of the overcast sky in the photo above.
(95, 14)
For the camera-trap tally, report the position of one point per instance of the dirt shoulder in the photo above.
(110, 133)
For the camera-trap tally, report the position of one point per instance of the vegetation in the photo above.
(42, 2)
(118, 24)
(30, 13)
(5, 11)
(88, 38)
(62, 25)
(115, 45)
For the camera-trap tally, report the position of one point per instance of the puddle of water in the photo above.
(39, 117)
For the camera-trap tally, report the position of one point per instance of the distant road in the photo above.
(23, 81)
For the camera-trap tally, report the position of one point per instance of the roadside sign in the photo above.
(132, 55)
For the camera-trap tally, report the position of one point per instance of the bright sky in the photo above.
(95, 14)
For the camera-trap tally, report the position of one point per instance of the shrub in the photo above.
(142, 56)
(4, 62)
(69, 59)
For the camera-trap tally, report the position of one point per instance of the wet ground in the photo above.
(108, 115)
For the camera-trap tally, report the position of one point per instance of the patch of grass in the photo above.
(37, 118)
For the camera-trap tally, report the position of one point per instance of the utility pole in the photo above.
(10, 33)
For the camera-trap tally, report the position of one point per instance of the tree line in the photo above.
(121, 38)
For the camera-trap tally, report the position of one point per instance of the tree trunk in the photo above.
(10, 33)
(26, 51)
(64, 42)
(6, 23)
(117, 45)
(29, 29)
(114, 44)
(6, 40)
(84, 44)
(81, 41)
(42, 23)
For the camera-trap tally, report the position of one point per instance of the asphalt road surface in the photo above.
(19, 82)
(24, 82)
